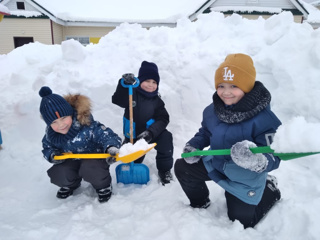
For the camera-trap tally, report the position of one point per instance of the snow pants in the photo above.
(71, 172)
(164, 157)
(192, 178)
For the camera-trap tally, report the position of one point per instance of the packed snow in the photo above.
(286, 57)
(129, 148)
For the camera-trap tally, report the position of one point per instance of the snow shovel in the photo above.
(264, 149)
(125, 159)
(137, 173)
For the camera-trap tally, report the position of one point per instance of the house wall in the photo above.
(57, 33)
(39, 29)
(92, 32)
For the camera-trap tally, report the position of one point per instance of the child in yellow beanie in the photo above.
(238, 118)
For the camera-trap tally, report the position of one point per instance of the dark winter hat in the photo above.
(237, 69)
(148, 70)
(53, 106)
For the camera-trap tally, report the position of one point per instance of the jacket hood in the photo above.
(82, 105)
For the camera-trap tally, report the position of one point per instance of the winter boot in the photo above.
(272, 184)
(165, 177)
(65, 192)
(205, 204)
(104, 194)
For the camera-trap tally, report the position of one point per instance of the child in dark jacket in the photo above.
(149, 115)
(239, 118)
(71, 128)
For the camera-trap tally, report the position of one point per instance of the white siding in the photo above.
(39, 29)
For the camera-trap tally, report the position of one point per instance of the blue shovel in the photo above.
(137, 173)
(0, 138)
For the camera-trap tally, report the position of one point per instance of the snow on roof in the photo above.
(4, 10)
(140, 11)
(26, 13)
(313, 2)
(314, 13)
(246, 9)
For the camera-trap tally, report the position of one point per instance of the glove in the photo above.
(243, 157)
(146, 135)
(128, 79)
(188, 148)
(113, 151)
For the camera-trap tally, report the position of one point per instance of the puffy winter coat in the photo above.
(85, 135)
(222, 134)
(148, 112)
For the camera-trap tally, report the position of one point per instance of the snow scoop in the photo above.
(264, 149)
(137, 173)
(125, 159)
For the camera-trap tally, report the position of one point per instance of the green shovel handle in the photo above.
(264, 149)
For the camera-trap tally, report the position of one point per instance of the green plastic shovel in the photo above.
(265, 149)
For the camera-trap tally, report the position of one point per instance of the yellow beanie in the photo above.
(237, 69)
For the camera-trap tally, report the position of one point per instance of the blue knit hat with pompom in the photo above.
(53, 106)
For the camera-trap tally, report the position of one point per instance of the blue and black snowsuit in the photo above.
(251, 119)
(149, 112)
(85, 136)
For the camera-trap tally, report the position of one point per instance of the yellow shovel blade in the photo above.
(125, 159)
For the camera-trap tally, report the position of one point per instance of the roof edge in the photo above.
(199, 11)
(299, 5)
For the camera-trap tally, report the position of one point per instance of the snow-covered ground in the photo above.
(287, 60)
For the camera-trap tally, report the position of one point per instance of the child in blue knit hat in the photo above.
(71, 128)
(149, 115)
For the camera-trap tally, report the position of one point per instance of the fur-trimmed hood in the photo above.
(82, 105)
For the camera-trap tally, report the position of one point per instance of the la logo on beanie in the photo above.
(239, 69)
(228, 76)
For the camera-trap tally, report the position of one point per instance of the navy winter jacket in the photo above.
(146, 110)
(218, 134)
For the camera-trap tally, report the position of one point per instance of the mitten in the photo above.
(113, 151)
(146, 135)
(56, 153)
(243, 157)
(188, 148)
(128, 79)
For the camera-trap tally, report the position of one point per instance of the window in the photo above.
(20, 6)
(83, 40)
(20, 41)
